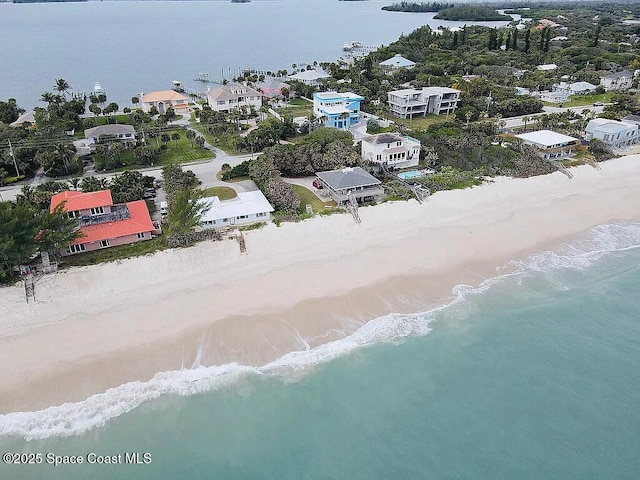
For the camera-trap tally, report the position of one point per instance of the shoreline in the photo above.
(299, 286)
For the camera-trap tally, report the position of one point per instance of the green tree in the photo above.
(9, 111)
(127, 187)
(94, 184)
(175, 136)
(186, 211)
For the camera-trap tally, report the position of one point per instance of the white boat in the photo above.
(347, 47)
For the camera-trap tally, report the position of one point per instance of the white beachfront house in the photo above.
(614, 134)
(391, 149)
(309, 77)
(233, 96)
(351, 183)
(339, 110)
(617, 81)
(163, 100)
(396, 63)
(550, 144)
(247, 207)
(409, 102)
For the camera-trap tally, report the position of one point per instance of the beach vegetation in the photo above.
(185, 211)
(26, 229)
(117, 253)
(253, 226)
(397, 190)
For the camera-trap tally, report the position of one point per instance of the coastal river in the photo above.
(133, 47)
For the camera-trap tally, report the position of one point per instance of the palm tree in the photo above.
(65, 153)
(191, 135)
(74, 183)
(175, 136)
(62, 86)
(526, 120)
(135, 100)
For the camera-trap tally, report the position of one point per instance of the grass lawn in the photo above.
(307, 197)
(115, 253)
(217, 141)
(298, 107)
(588, 100)
(421, 123)
(223, 193)
(183, 152)
(102, 120)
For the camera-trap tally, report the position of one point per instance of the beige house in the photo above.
(162, 100)
(233, 96)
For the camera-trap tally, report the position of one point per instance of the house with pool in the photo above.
(337, 110)
(392, 150)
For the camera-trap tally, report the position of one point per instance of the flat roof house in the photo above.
(396, 63)
(110, 133)
(103, 223)
(549, 144)
(351, 182)
(247, 207)
(616, 135)
(409, 102)
(233, 96)
(339, 110)
(391, 149)
(163, 99)
(617, 81)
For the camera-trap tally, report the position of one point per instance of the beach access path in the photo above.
(298, 286)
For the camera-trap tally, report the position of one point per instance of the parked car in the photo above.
(164, 208)
(317, 184)
(598, 104)
(150, 193)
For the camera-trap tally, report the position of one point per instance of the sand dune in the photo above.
(299, 285)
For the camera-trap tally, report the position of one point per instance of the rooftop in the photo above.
(232, 90)
(246, 203)
(622, 74)
(162, 96)
(116, 129)
(348, 178)
(337, 96)
(139, 221)
(309, 75)
(546, 138)
(382, 138)
(398, 61)
(81, 201)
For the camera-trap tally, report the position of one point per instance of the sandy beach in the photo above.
(298, 285)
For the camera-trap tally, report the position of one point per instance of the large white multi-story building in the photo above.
(614, 134)
(409, 102)
(391, 149)
(233, 96)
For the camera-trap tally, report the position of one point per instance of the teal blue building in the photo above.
(337, 110)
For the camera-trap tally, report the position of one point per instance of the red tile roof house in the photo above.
(103, 223)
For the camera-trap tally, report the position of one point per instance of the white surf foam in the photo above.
(597, 243)
(79, 417)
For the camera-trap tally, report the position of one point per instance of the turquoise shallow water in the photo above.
(535, 376)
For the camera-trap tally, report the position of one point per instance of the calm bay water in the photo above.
(133, 47)
(534, 375)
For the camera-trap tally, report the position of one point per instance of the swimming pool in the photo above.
(410, 174)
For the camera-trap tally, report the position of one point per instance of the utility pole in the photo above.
(15, 164)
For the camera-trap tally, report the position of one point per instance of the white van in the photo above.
(164, 208)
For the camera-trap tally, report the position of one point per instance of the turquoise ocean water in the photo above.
(533, 375)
